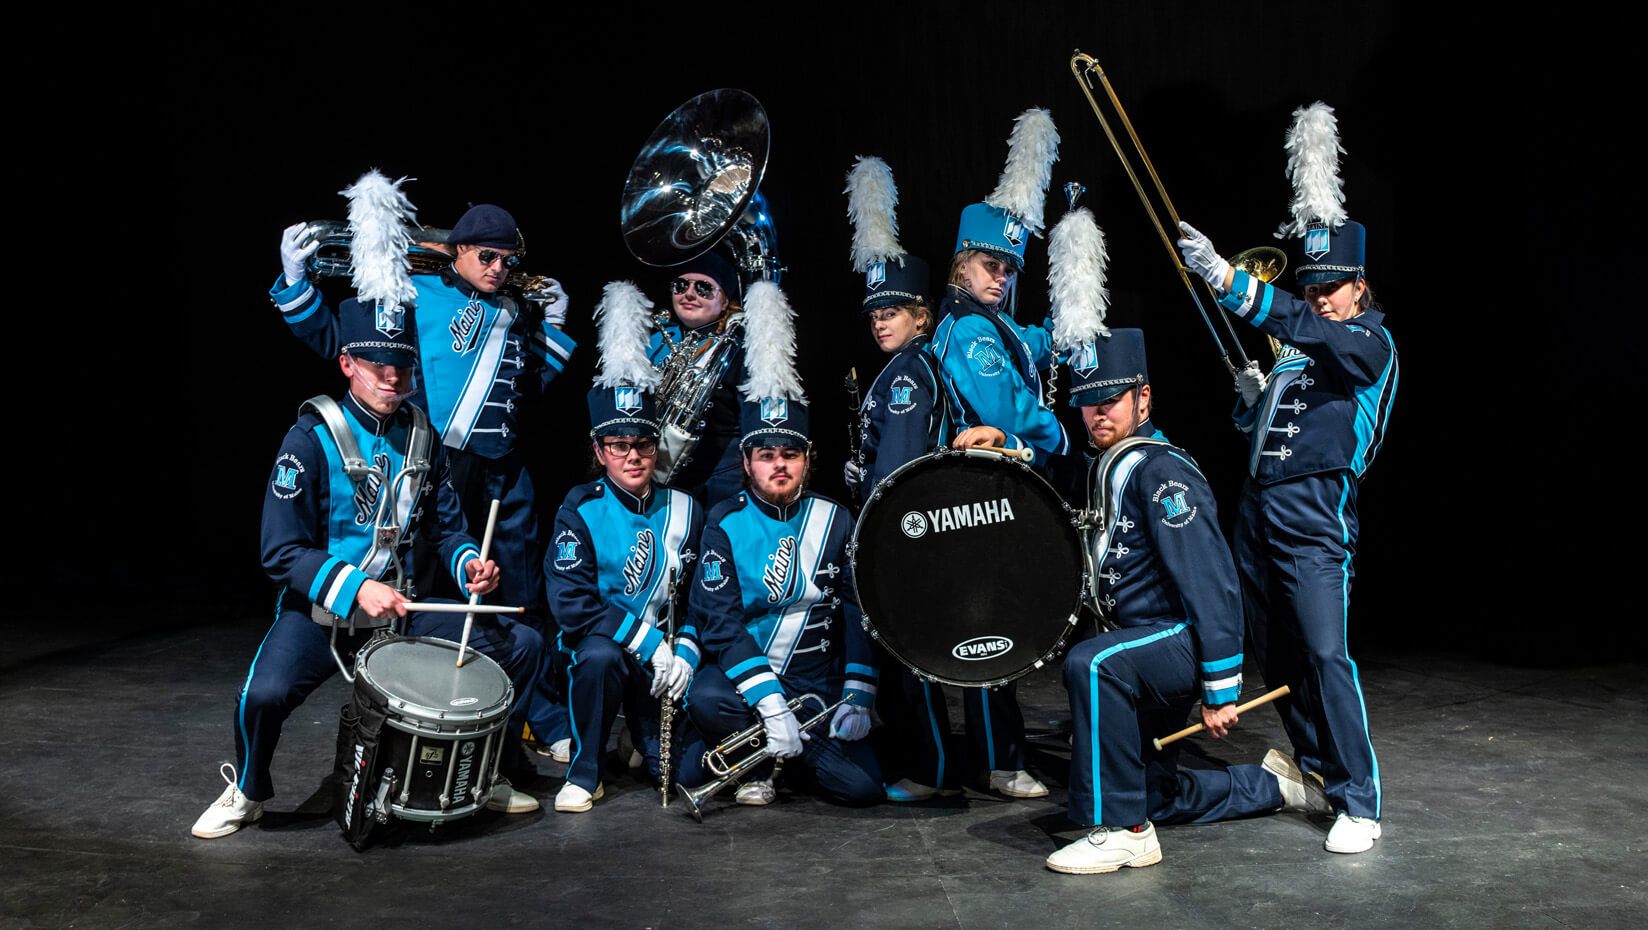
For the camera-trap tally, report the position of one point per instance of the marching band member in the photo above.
(618, 547)
(703, 304)
(482, 355)
(774, 561)
(1316, 423)
(332, 542)
(1166, 581)
(990, 366)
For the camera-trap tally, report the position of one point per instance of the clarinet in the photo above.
(666, 709)
(855, 422)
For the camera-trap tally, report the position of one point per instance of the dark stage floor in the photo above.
(1514, 799)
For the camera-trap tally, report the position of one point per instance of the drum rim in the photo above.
(435, 716)
(1072, 621)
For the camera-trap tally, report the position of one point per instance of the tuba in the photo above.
(428, 254)
(695, 186)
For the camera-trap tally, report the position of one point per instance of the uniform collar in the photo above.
(773, 511)
(636, 505)
(958, 301)
(374, 424)
(457, 283)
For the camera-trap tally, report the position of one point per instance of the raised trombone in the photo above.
(1263, 262)
(754, 738)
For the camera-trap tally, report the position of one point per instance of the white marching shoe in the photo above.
(1300, 792)
(229, 812)
(1019, 784)
(505, 798)
(756, 793)
(560, 750)
(572, 799)
(1106, 849)
(1352, 834)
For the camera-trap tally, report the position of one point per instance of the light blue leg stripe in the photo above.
(1344, 636)
(989, 740)
(572, 716)
(927, 688)
(240, 712)
(1093, 709)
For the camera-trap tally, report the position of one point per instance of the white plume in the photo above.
(1032, 149)
(769, 345)
(1313, 164)
(871, 197)
(1076, 279)
(381, 220)
(624, 316)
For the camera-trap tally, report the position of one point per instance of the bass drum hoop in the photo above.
(1065, 526)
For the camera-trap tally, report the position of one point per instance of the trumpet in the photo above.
(1084, 67)
(726, 771)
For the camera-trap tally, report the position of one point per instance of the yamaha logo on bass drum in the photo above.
(916, 523)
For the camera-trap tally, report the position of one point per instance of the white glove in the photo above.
(1251, 382)
(663, 662)
(853, 475)
(294, 255)
(851, 723)
(1200, 257)
(784, 734)
(680, 678)
(555, 311)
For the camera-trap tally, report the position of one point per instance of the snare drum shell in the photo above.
(969, 568)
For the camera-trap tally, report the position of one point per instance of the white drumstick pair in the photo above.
(475, 599)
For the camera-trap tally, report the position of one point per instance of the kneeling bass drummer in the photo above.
(338, 543)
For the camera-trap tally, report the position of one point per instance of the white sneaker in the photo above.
(627, 751)
(1106, 849)
(1299, 793)
(1352, 834)
(229, 812)
(572, 799)
(505, 798)
(904, 790)
(1019, 784)
(560, 750)
(756, 793)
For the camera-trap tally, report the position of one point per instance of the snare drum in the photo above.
(969, 568)
(445, 725)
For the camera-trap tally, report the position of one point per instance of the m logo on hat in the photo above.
(391, 320)
(1013, 230)
(627, 399)
(1317, 242)
(875, 276)
(774, 410)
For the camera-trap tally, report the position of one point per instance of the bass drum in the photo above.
(969, 568)
(444, 730)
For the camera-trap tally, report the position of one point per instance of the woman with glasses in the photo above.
(619, 548)
(703, 305)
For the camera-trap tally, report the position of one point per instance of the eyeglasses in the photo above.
(705, 289)
(488, 256)
(647, 448)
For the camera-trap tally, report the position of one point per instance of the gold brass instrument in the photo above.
(754, 738)
(1266, 263)
(1084, 67)
(694, 187)
(428, 254)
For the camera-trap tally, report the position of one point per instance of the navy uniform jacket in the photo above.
(718, 429)
(992, 366)
(1328, 400)
(1163, 559)
(899, 415)
(608, 569)
(783, 575)
(318, 533)
(479, 355)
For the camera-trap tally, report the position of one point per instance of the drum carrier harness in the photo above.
(1098, 521)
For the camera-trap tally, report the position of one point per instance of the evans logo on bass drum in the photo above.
(981, 647)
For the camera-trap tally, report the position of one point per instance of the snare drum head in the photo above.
(420, 678)
(968, 568)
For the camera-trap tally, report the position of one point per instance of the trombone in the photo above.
(1260, 262)
(727, 771)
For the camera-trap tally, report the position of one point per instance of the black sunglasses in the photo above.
(705, 289)
(488, 256)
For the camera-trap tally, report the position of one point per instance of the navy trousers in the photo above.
(838, 771)
(1126, 687)
(1295, 550)
(602, 677)
(295, 658)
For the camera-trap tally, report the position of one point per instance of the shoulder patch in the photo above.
(567, 551)
(288, 469)
(711, 571)
(1177, 511)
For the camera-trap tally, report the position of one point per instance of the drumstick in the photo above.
(1024, 455)
(475, 599)
(435, 607)
(1265, 698)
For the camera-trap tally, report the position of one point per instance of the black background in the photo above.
(1490, 166)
